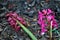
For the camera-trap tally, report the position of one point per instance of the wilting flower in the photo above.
(44, 18)
(12, 17)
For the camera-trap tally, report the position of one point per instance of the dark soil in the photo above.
(28, 10)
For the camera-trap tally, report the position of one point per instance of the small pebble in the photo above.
(1, 29)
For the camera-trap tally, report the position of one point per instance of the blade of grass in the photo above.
(27, 31)
(56, 31)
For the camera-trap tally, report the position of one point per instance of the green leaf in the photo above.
(27, 31)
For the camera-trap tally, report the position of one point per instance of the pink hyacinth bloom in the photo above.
(12, 17)
(44, 19)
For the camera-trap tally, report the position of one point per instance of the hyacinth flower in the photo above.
(44, 19)
(12, 21)
(18, 22)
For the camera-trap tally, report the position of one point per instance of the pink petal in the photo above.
(14, 15)
(50, 17)
(44, 12)
(39, 22)
(39, 12)
(41, 17)
(9, 19)
(54, 24)
(19, 18)
(17, 28)
(49, 11)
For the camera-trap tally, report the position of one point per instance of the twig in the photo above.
(2, 24)
(4, 30)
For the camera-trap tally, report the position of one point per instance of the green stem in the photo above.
(27, 31)
(51, 31)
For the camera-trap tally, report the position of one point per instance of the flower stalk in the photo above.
(51, 31)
